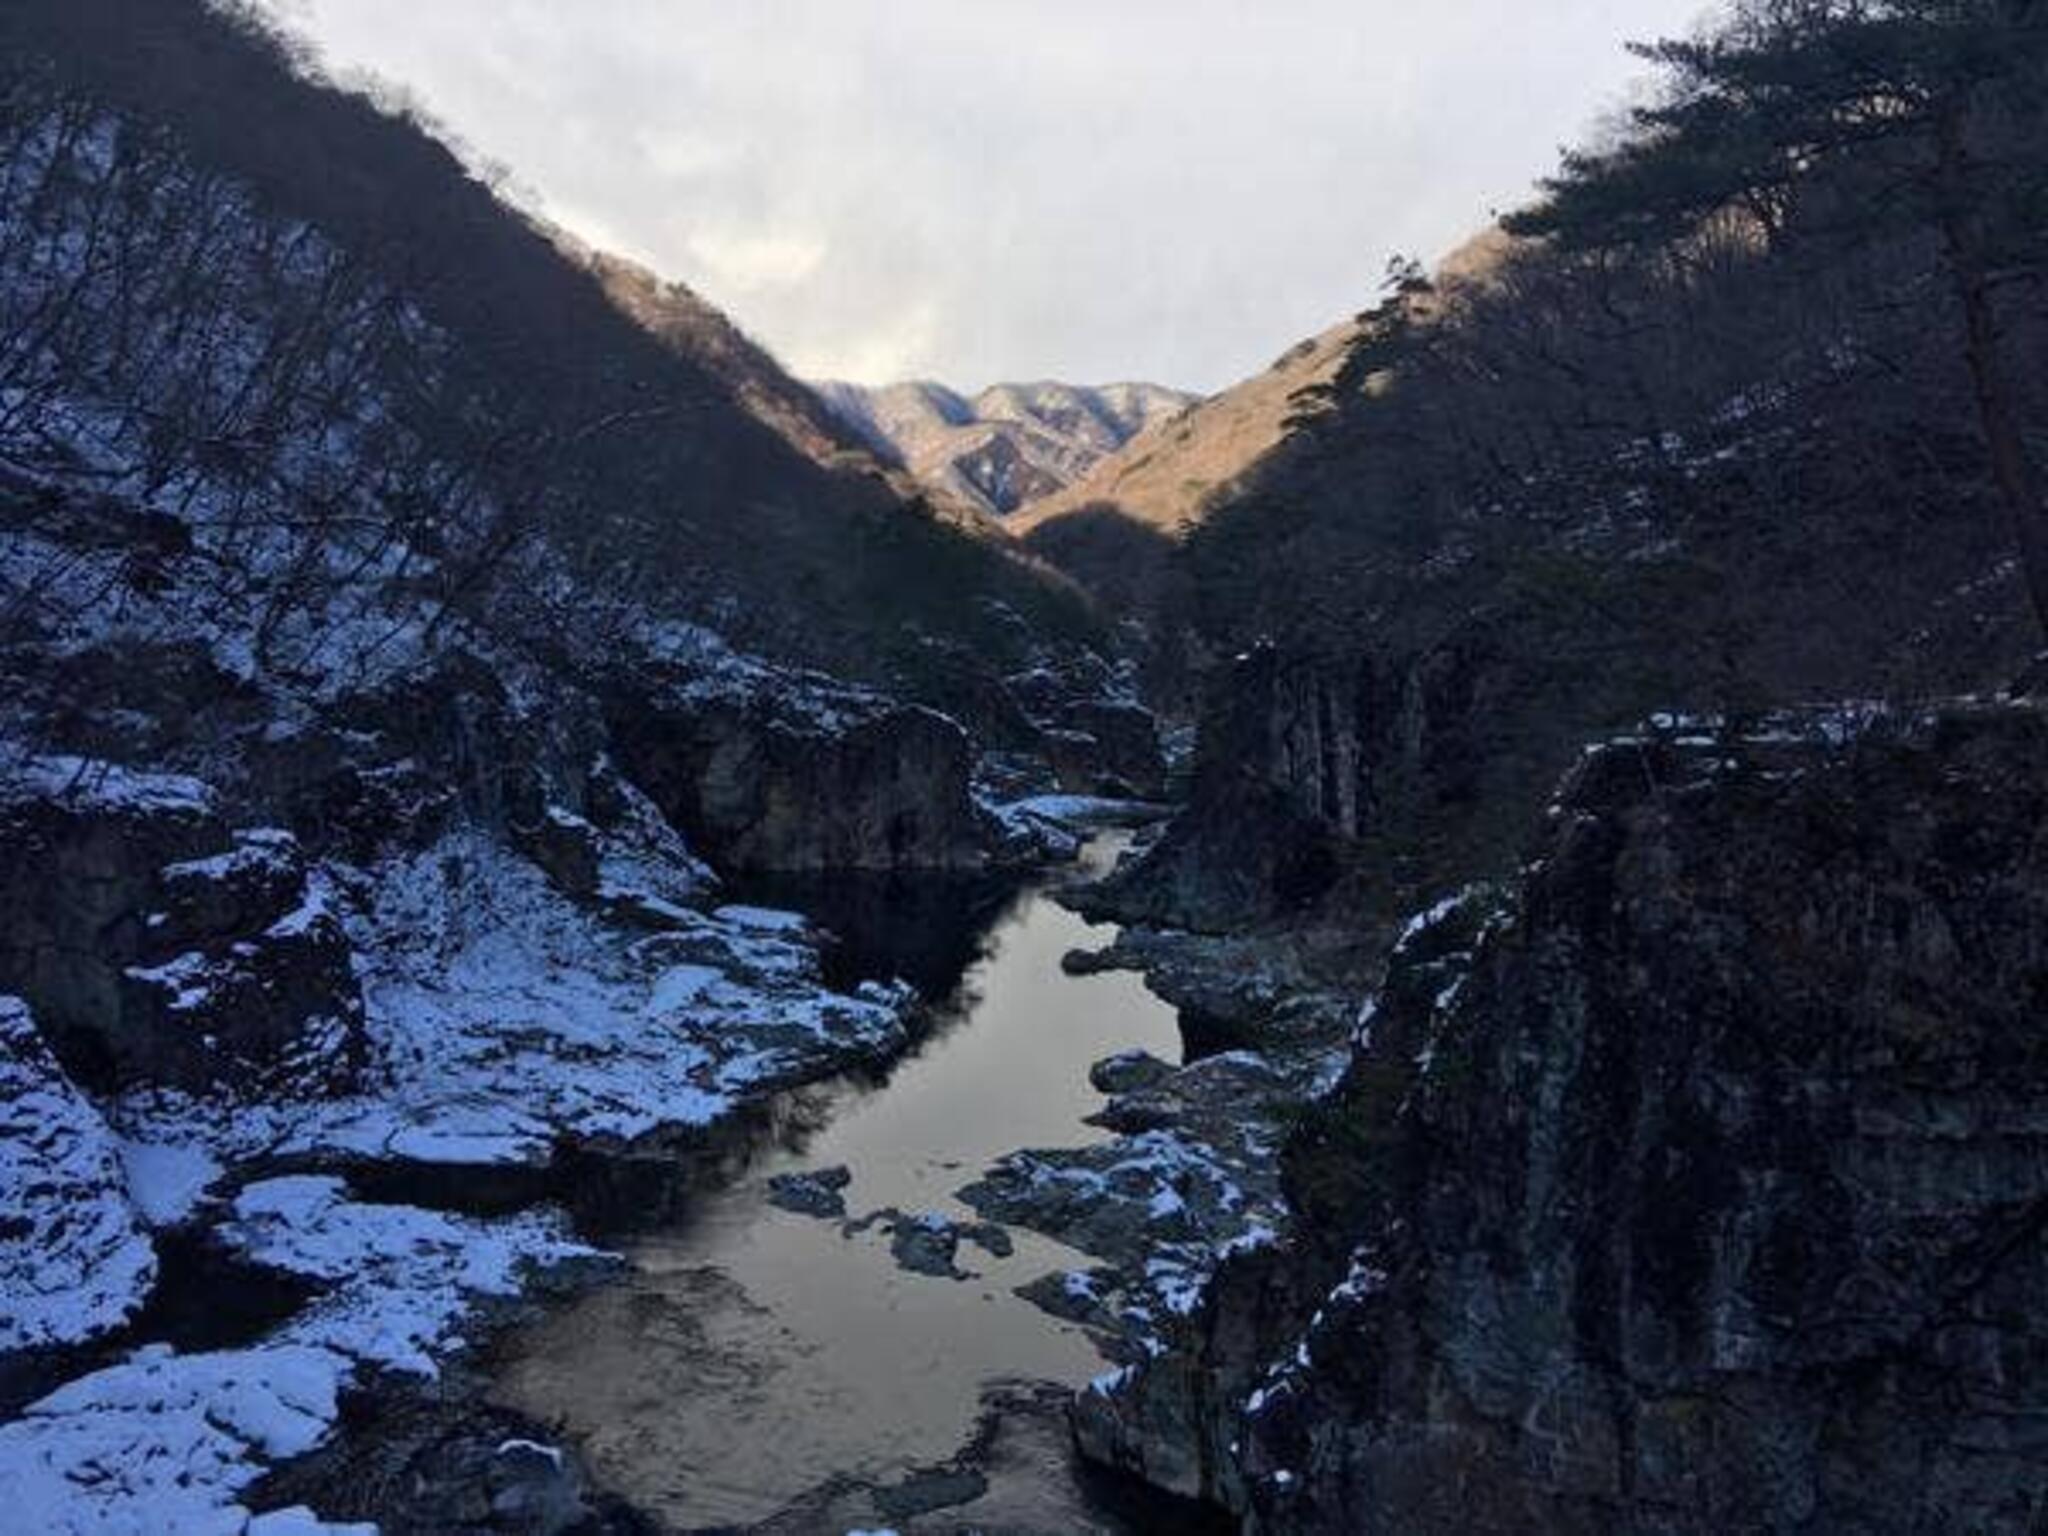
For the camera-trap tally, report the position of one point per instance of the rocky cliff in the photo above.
(1308, 769)
(1401, 691)
(784, 781)
(1690, 1183)
(159, 946)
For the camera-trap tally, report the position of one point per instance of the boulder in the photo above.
(820, 1192)
(925, 1244)
(1129, 1072)
(1075, 1295)
(158, 946)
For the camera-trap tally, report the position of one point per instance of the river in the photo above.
(751, 1356)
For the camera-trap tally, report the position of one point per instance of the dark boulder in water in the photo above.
(820, 1192)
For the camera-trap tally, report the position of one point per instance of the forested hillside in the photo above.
(1648, 617)
(1592, 904)
(1706, 436)
(250, 263)
(410, 624)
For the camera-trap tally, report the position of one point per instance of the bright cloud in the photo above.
(1169, 189)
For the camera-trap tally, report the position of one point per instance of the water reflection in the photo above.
(926, 929)
(753, 1354)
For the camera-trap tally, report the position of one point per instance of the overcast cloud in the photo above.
(976, 190)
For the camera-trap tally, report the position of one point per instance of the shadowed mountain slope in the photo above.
(666, 454)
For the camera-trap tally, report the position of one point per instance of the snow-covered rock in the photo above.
(168, 1443)
(402, 1280)
(503, 1017)
(164, 1444)
(74, 1260)
(157, 945)
(1164, 1205)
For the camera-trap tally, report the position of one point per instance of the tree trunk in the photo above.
(2012, 467)
(2013, 470)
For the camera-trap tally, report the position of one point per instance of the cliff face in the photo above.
(849, 783)
(1696, 1184)
(156, 945)
(1304, 763)
(1397, 733)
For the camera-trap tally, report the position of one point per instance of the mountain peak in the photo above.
(1008, 446)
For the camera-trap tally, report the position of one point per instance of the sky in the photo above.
(986, 190)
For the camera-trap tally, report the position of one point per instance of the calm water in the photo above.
(754, 1354)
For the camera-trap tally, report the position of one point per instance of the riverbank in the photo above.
(537, 1059)
(755, 1359)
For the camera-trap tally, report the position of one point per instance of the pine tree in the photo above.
(1855, 121)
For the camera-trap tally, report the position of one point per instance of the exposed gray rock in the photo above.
(1161, 1204)
(804, 777)
(1022, 1478)
(818, 1192)
(74, 1260)
(1105, 747)
(430, 1461)
(1076, 1295)
(1269, 990)
(156, 945)
(989, 1238)
(925, 1492)
(85, 845)
(1090, 962)
(1699, 1189)
(925, 1244)
(1128, 1072)
(1097, 738)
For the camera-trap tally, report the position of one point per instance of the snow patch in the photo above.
(162, 1444)
(405, 1279)
(166, 1180)
(502, 1016)
(102, 787)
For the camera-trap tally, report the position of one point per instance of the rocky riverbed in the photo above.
(228, 1241)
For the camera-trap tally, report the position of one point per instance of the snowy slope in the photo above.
(1009, 446)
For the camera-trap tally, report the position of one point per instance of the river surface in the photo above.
(752, 1356)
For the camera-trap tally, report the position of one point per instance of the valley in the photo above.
(1447, 938)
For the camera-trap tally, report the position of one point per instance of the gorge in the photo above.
(1452, 937)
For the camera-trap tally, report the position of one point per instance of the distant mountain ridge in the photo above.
(1163, 475)
(1012, 444)
(1166, 477)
